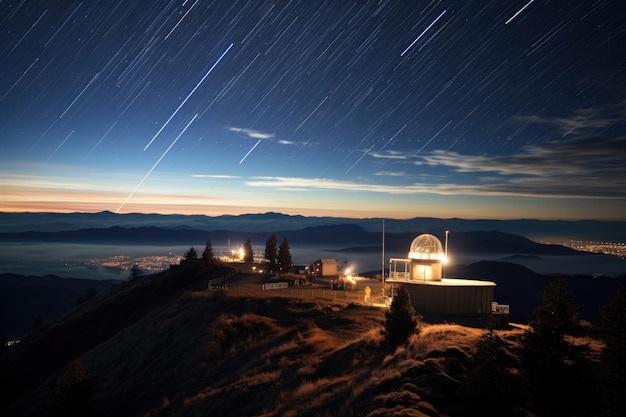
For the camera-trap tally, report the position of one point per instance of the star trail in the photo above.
(383, 108)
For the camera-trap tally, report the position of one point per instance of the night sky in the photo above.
(471, 109)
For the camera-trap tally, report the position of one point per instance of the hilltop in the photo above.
(162, 345)
(27, 301)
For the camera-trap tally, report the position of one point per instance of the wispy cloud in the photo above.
(254, 134)
(589, 156)
(389, 154)
(390, 174)
(584, 167)
(215, 176)
(579, 168)
(584, 121)
(553, 188)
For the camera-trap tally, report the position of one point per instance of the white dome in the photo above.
(426, 246)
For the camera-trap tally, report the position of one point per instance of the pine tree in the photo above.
(271, 253)
(191, 254)
(613, 375)
(135, 272)
(491, 389)
(401, 321)
(284, 256)
(74, 398)
(558, 372)
(207, 253)
(248, 255)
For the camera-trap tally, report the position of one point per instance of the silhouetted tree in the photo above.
(191, 254)
(271, 253)
(613, 375)
(248, 254)
(74, 396)
(558, 372)
(401, 321)
(491, 389)
(284, 256)
(135, 273)
(207, 253)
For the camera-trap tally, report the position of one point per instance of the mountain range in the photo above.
(272, 221)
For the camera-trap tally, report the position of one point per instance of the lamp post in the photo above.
(445, 256)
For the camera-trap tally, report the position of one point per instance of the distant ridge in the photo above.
(349, 235)
(275, 221)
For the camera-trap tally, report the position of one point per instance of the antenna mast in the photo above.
(383, 259)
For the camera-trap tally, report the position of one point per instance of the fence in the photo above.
(282, 288)
(357, 297)
(275, 285)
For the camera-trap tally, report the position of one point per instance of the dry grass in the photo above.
(214, 353)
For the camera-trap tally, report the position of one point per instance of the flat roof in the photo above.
(445, 282)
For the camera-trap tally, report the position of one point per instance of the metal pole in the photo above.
(446, 255)
(383, 259)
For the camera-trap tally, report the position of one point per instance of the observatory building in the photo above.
(422, 274)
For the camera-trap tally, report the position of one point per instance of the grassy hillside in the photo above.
(163, 346)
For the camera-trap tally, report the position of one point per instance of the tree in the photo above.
(400, 320)
(207, 253)
(135, 272)
(271, 253)
(613, 375)
(248, 255)
(74, 396)
(491, 389)
(557, 371)
(191, 254)
(284, 256)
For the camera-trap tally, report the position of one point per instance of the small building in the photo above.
(421, 275)
(324, 267)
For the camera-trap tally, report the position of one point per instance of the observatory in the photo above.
(422, 274)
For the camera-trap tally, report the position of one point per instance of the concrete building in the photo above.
(324, 267)
(422, 275)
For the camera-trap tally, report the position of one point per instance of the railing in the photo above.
(403, 275)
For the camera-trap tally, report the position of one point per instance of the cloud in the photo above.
(556, 188)
(583, 167)
(254, 134)
(390, 174)
(590, 156)
(582, 121)
(590, 167)
(215, 176)
(389, 154)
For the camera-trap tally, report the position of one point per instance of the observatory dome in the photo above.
(426, 246)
